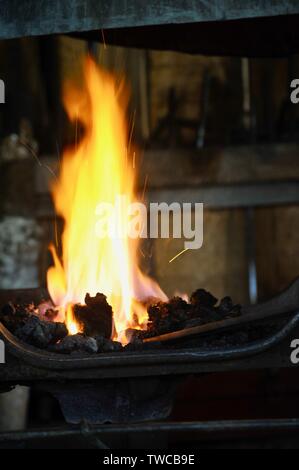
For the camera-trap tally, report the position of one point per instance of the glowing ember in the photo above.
(97, 170)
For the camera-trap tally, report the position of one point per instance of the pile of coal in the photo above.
(108, 345)
(95, 317)
(78, 343)
(14, 316)
(81, 344)
(41, 333)
(26, 325)
(177, 314)
(35, 325)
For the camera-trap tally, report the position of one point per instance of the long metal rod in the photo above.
(205, 428)
(212, 327)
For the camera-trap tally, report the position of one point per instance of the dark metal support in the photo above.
(29, 18)
(54, 361)
(229, 27)
(204, 428)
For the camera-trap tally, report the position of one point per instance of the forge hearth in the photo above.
(203, 323)
(37, 323)
(206, 349)
(138, 382)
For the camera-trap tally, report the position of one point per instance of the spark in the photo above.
(56, 231)
(28, 147)
(51, 171)
(126, 157)
(144, 187)
(132, 129)
(76, 130)
(103, 38)
(179, 254)
(58, 152)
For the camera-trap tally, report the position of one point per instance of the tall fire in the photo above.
(98, 169)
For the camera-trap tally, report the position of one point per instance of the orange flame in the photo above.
(97, 170)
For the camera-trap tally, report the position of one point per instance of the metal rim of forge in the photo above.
(54, 361)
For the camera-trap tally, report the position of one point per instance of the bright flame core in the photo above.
(97, 170)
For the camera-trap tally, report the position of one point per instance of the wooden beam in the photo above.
(177, 168)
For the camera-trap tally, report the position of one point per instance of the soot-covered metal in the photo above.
(226, 27)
